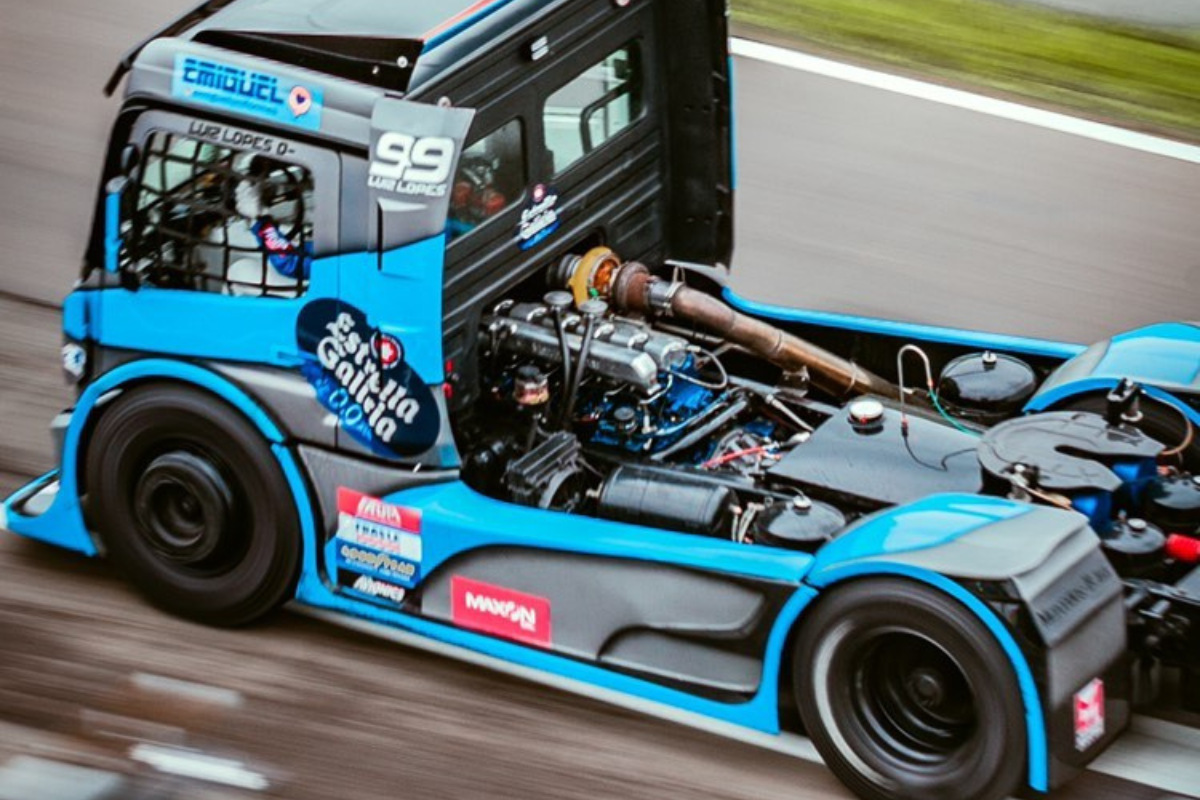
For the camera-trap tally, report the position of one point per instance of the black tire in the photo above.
(192, 506)
(906, 694)
(1159, 422)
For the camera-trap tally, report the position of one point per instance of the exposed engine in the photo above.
(635, 399)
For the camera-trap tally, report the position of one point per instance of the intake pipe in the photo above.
(630, 287)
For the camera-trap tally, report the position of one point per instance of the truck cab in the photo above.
(407, 169)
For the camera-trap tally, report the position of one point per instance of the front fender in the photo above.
(60, 522)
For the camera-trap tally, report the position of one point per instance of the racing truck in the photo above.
(418, 314)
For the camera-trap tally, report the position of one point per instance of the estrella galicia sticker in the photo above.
(540, 217)
(361, 376)
(247, 91)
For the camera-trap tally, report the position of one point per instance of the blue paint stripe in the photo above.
(1035, 720)
(457, 519)
(75, 315)
(444, 36)
(907, 330)
(112, 231)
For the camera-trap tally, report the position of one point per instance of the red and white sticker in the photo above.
(499, 611)
(372, 509)
(1089, 715)
(376, 524)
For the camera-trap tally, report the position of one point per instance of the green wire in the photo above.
(933, 396)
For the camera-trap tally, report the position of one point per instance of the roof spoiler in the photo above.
(194, 17)
(383, 62)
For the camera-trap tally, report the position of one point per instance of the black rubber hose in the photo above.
(580, 368)
(560, 326)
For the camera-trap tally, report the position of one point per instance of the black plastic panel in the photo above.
(703, 633)
(882, 468)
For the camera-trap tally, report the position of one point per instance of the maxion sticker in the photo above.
(1089, 715)
(499, 611)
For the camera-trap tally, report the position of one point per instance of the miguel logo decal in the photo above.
(361, 376)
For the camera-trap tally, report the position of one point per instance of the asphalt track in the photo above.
(850, 199)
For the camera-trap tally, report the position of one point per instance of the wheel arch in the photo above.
(1037, 773)
(1061, 396)
(67, 509)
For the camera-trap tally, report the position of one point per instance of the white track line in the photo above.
(197, 765)
(1155, 753)
(955, 97)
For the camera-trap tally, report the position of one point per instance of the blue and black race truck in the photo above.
(417, 313)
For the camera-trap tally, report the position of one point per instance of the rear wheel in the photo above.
(192, 506)
(906, 694)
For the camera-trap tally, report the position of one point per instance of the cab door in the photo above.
(375, 352)
(224, 234)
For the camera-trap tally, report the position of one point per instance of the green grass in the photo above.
(1145, 78)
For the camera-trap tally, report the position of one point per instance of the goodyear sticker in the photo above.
(385, 566)
(247, 91)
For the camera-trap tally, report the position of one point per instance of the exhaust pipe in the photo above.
(630, 287)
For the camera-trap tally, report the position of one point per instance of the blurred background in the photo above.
(851, 199)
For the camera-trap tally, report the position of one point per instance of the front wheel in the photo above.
(906, 694)
(192, 506)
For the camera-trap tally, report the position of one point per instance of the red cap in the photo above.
(1183, 548)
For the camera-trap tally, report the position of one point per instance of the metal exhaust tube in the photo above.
(631, 287)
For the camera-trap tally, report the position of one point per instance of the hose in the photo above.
(631, 287)
(585, 349)
(1188, 438)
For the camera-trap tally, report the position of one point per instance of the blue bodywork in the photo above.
(905, 330)
(458, 520)
(1163, 358)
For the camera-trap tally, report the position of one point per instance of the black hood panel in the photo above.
(884, 467)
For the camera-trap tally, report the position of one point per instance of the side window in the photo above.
(490, 178)
(209, 218)
(595, 106)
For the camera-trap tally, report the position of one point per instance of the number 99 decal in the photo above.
(412, 165)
